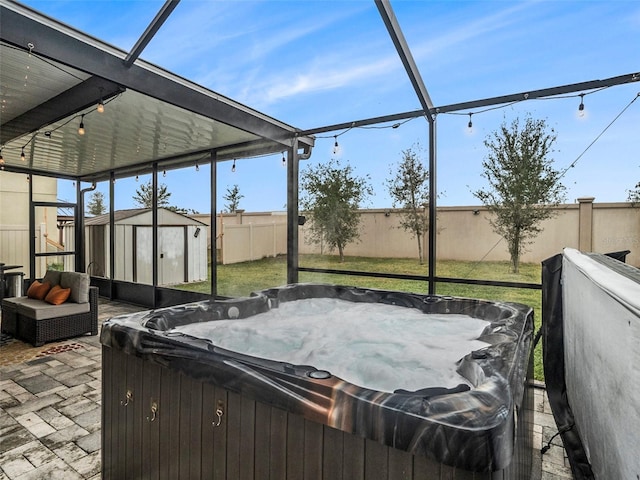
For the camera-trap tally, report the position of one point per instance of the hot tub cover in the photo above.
(469, 428)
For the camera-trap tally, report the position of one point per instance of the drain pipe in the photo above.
(307, 153)
(79, 234)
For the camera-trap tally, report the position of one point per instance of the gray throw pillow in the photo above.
(79, 285)
(53, 277)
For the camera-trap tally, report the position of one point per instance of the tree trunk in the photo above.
(419, 237)
(515, 252)
(341, 252)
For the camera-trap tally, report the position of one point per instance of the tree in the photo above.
(332, 195)
(182, 210)
(144, 195)
(409, 190)
(95, 205)
(634, 195)
(233, 196)
(523, 186)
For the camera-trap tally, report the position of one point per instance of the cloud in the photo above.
(361, 64)
(462, 34)
(326, 78)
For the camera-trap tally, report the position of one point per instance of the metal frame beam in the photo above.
(485, 102)
(397, 37)
(293, 174)
(77, 98)
(150, 32)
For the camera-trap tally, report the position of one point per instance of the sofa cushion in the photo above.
(57, 295)
(52, 276)
(13, 302)
(38, 290)
(39, 310)
(79, 285)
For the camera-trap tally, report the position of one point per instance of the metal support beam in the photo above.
(78, 231)
(542, 93)
(293, 167)
(32, 231)
(214, 224)
(433, 195)
(112, 232)
(151, 30)
(154, 229)
(77, 98)
(395, 32)
(485, 102)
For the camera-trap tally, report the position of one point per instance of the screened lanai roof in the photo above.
(53, 77)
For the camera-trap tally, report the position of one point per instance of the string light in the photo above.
(22, 156)
(581, 111)
(1, 158)
(100, 107)
(470, 124)
(164, 173)
(284, 160)
(137, 178)
(197, 167)
(233, 167)
(336, 147)
(81, 127)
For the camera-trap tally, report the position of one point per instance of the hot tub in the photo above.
(177, 404)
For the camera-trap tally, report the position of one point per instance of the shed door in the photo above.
(171, 255)
(171, 252)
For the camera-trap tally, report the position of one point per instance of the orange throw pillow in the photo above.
(57, 295)
(38, 290)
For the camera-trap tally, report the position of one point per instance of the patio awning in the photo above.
(53, 77)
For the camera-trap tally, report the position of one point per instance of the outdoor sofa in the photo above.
(62, 305)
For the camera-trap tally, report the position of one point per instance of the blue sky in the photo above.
(316, 63)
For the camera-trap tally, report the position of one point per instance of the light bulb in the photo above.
(581, 112)
(233, 167)
(284, 160)
(470, 124)
(81, 127)
(100, 107)
(22, 156)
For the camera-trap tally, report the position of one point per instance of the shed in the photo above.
(182, 246)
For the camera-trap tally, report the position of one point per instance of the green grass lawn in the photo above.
(240, 279)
